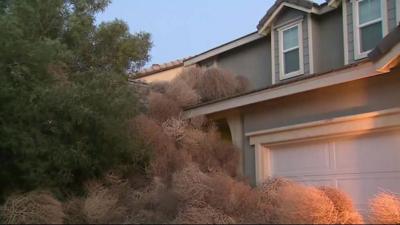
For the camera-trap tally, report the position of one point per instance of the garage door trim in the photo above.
(342, 126)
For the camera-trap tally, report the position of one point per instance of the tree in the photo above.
(65, 103)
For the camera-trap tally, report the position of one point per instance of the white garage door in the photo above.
(362, 165)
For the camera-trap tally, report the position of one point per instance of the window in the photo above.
(291, 50)
(370, 25)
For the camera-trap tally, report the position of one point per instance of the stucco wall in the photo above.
(252, 61)
(328, 41)
(167, 75)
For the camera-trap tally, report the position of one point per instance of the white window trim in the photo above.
(345, 33)
(397, 12)
(356, 27)
(282, 74)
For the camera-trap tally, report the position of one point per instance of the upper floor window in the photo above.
(369, 25)
(291, 50)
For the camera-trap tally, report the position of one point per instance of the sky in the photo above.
(183, 28)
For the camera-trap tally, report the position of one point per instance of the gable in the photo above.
(274, 11)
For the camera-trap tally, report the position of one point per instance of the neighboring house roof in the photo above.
(156, 68)
(224, 48)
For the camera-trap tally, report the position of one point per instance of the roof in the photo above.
(390, 40)
(224, 48)
(302, 3)
(156, 68)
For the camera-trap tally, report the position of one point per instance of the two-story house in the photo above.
(325, 108)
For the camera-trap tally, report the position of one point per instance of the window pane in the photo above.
(369, 10)
(290, 38)
(292, 61)
(370, 36)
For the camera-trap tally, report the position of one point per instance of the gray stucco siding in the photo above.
(252, 61)
(328, 41)
(366, 95)
(391, 9)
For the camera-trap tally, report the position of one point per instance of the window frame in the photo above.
(281, 30)
(358, 54)
(397, 2)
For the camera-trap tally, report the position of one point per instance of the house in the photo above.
(325, 104)
(160, 72)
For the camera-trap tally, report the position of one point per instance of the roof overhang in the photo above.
(223, 48)
(334, 3)
(360, 71)
(386, 54)
(306, 6)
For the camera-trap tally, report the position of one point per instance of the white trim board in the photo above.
(397, 12)
(272, 34)
(340, 126)
(218, 50)
(345, 34)
(310, 25)
(364, 70)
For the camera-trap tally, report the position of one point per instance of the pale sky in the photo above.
(182, 28)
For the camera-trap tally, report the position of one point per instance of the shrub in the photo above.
(210, 152)
(162, 108)
(33, 207)
(101, 205)
(182, 93)
(237, 199)
(166, 158)
(385, 209)
(243, 84)
(198, 122)
(191, 76)
(73, 210)
(190, 185)
(215, 84)
(299, 204)
(202, 215)
(347, 214)
(175, 128)
(159, 86)
(155, 203)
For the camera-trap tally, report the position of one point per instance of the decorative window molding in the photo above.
(310, 43)
(359, 53)
(296, 26)
(345, 33)
(397, 12)
(273, 55)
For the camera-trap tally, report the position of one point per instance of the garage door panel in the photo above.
(362, 166)
(314, 156)
(356, 154)
(362, 189)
